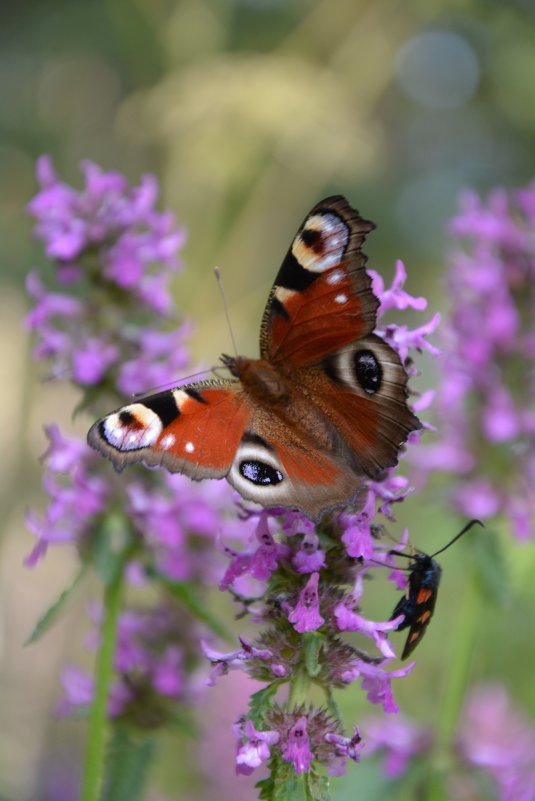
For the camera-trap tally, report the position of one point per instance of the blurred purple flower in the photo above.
(497, 739)
(399, 740)
(485, 400)
(152, 650)
(104, 238)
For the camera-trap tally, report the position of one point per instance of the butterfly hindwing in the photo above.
(362, 390)
(322, 298)
(277, 464)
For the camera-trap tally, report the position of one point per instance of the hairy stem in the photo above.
(98, 717)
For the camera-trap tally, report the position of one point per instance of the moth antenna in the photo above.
(170, 385)
(459, 535)
(225, 307)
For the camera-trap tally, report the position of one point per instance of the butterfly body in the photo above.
(321, 410)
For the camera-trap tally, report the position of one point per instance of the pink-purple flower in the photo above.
(485, 422)
(301, 582)
(114, 256)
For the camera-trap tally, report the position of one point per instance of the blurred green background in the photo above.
(249, 111)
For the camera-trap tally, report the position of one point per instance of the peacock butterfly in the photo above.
(323, 408)
(418, 604)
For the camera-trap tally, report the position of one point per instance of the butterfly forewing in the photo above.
(322, 297)
(193, 429)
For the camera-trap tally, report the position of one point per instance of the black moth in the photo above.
(418, 604)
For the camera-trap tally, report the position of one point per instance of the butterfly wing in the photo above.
(322, 298)
(317, 328)
(212, 430)
(193, 429)
(278, 464)
(314, 449)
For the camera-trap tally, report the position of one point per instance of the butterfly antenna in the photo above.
(459, 535)
(225, 306)
(170, 385)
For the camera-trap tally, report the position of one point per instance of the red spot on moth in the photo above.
(424, 595)
(424, 616)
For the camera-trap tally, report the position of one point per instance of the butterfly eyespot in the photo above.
(313, 239)
(260, 473)
(368, 371)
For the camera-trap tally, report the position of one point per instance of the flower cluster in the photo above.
(493, 740)
(113, 254)
(313, 595)
(168, 521)
(487, 422)
(153, 658)
(302, 583)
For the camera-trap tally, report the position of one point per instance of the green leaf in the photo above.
(283, 784)
(128, 761)
(186, 594)
(260, 701)
(47, 620)
(317, 787)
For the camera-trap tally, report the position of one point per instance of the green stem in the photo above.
(299, 694)
(98, 714)
(459, 670)
(457, 675)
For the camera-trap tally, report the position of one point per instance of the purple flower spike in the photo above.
(118, 252)
(487, 440)
(114, 256)
(296, 749)
(306, 615)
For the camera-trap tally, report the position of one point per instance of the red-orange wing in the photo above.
(194, 429)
